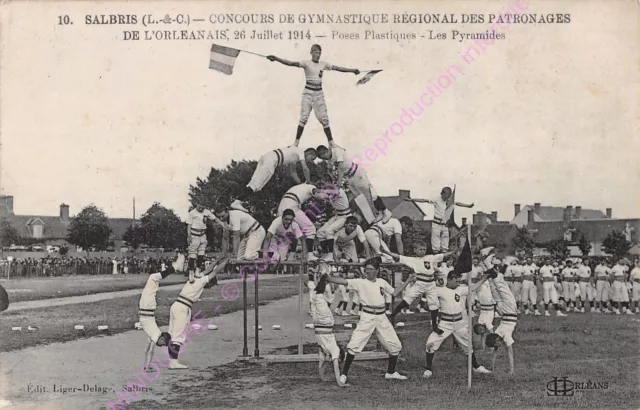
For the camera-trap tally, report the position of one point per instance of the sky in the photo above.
(549, 114)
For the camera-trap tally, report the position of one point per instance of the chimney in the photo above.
(530, 218)
(64, 212)
(536, 208)
(516, 209)
(404, 193)
(566, 216)
(609, 213)
(475, 219)
(464, 221)
(578, 211)
(494, 216)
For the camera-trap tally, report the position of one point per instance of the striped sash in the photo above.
(486, 307)
(547, 279)
(313, 87)
(147, 312)
(423, 277)
(511, 318)
(280, 157)
(455, 317)
(583, 279)
(343, 212)
(352, 170)
(527, 277)
(508, 279)
(603, 278)
(292, 196)
(197, 232)
(185, 301)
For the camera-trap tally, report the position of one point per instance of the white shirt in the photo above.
(392, 227)
(439, 209)
(503, 295)
(198, 220)
(296, 196)
(313, 71)
(148, 297)
(371, 293)
(546, 271)
(320, 311)
(290, 155)
(342, 237)
(529, 270)
(602, 272)
(568, 273)
(241, 221)
(277, 229)
(450, 300)
(423, 267)
(584, 271)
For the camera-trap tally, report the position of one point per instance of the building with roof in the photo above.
(52, 230)
(399, 207)
(549, 223)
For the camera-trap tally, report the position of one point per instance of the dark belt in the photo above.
(313, 88)
(373, 310)
(343, 212)
(425, 280)
(451, 318)
(198, 232)
(437, 222)
(280, 156)
(507, 317)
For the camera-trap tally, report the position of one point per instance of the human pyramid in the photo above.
(359, 215)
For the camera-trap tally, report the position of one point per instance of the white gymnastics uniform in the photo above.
(270, 161)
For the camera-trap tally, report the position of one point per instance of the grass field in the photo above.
(56, 324)
(582, 347)
(25, 289)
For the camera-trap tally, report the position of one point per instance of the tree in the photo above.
(135, 236)
(558, 248)
(616, 244)
(162, 228)
(584, 245)
(8, 234)
(63, 250)
(523, 241)
(89, 229)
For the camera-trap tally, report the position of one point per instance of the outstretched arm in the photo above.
(294, 173)
(337, 280)
(346, 70)
(398, 290)
(465, 205)
(283, 61)
(428, 201)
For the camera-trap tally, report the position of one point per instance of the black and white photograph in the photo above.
(323, 204)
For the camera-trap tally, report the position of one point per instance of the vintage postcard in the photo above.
(319, 204)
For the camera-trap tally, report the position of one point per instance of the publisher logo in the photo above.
(563, 387)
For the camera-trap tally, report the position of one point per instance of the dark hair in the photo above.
(219, 209)
(453, 275)
(375, 262)
(316, 46)
(406, 220)
(321, 149)
(351, 219)
(308, 150)
(288, 212)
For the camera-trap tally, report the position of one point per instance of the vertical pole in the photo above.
(256, 352)
(245, 348)
(300, 312)
(469, 314)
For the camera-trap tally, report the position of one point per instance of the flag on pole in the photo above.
(367, 77)
(464, 262)
(449, 211)
(223, 58)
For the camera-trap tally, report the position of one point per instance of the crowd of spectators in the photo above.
(56, 266)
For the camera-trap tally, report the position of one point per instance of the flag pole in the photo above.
(251, 52)
(469, 314)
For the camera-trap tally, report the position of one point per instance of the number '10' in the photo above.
(63, 20)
